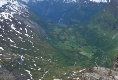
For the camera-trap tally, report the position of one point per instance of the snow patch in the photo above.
(98, 1)
(3, 2)
(1, 48)
(29, 74)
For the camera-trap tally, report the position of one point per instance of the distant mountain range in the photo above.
(65, 11)
(67, 1)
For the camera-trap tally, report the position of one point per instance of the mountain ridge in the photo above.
(68, 1)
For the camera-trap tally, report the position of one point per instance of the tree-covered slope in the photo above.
(94, 41)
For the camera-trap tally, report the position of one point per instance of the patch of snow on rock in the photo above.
(1, 48)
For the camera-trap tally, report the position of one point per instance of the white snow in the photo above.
(44, 74)
(12, 26)
(1, 35)
(19, 22)
(39, 69)
(10, 40)
(82, 70)
(1, 48)
(69, 1)
(22, 57)
(14, 46)
(66, 1)
(27, 35)
(35, 65)
(3, 2)
(15, 7)
(29, 74)
(25, 30)
(6, 15)
(98, 1)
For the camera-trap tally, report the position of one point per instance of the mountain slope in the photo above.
(24, 52)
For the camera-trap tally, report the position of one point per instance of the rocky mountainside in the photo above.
(24, 52)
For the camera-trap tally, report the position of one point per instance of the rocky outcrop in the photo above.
(6, 61)
(6, 75)
(100, 73)
(115, 66)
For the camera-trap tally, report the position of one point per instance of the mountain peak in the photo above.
(3, 2)
(12, 7)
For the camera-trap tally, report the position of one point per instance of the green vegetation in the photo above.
(71, 47)
(93, 41)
